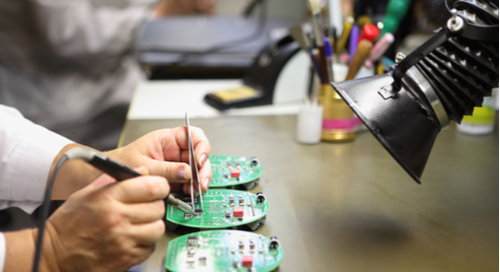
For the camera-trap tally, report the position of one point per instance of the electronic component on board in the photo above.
(235, 173)
(190, 260)
(246, 260)
(237, 211)
(252, 244)
(254, 161)
(226, 250)
(192, 240)
(231, 171)
(260, 197)
(191, 251)
(274, 243)
(218, 213)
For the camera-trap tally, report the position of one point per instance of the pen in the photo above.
(121, 172)
(297, 33)
(353, 42)
(329, 58)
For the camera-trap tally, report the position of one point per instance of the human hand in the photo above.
(165, 153)
(108, 225)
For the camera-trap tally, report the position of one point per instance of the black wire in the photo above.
(44, 213)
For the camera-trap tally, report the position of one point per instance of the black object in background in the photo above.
(262, 76)
(205, 47)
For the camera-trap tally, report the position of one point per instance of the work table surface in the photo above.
(351, 207)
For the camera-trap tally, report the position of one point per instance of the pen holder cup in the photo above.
(338, 122)
(309, 122)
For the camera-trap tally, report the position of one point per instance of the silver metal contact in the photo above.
(424, 85)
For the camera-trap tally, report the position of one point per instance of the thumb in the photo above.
(174, 172)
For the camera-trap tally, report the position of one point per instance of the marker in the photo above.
(379, 49)
(353, 42)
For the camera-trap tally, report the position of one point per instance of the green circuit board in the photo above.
(222, 208)
(223, 250)
(232, 171)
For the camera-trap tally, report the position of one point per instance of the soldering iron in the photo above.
(119, 172)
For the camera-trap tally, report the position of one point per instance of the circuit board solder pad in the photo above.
(222, 208)
(232, 170)
(223, 250)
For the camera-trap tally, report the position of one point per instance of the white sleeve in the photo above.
(26, 154)
(3, 251)
(76, 27)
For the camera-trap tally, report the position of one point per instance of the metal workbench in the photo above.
(351, 207)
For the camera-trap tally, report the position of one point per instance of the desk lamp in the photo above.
(442, 80)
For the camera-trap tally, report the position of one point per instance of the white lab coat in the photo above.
(27, 151)
(68, 65)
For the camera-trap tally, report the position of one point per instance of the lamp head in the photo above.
(443, 79)
(400, 124)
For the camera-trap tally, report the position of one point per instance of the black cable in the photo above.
(44, 213)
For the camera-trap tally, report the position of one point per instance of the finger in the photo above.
(146, 234)
(201, 146)
(141, 189)
(174, 172)
(145, 212)
(205, 175)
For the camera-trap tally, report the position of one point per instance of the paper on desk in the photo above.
(170, 99)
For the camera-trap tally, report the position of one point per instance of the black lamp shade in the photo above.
(400, 123)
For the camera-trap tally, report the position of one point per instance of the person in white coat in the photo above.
(104, 225)
(69, 65)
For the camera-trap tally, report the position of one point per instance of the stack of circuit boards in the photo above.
(223, 210)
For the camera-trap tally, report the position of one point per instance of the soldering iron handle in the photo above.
(118, 171)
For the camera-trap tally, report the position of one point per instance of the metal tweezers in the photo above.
(194, 168)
